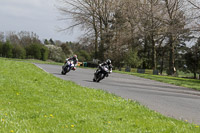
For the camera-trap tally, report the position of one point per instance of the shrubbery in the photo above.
(56, 53)
(1, 46)
(25, 45)
(36, 51)
(19, 52)
(7, 49)
(83, 55)
(22, 45)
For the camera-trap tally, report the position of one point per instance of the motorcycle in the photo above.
(69, 65)
(101, 73)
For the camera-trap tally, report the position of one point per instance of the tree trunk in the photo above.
(145, 52)
(171, 56)
(96, 44)
(162, 63)
(195, 75)
(153, 54)
(101, 49)
(195, 71)
(96, 37)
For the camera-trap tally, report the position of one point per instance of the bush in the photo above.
(7, 50)
(56, 53)
(83, 56)
(66, 49)
(45, 53)
(34, 51)
(1, 46)
(19, 52)
(132, 59)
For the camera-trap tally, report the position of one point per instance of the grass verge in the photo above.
(33, 61)
(33, 101)
(189, 83)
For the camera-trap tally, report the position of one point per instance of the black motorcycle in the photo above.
(101, 73)
(67, 67)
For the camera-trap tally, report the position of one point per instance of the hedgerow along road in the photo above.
(173, 101)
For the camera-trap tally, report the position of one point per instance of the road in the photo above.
(173, 101)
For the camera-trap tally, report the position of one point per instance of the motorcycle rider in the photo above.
(75, 61)
(107, 62)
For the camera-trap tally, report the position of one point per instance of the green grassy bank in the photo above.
(33, 101)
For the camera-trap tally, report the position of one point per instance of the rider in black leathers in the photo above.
(107, 62)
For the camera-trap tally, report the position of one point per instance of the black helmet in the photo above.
(108, 61)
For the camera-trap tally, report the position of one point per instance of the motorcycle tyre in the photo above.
(63, 73)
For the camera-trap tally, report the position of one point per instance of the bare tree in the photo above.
(13, 38)
(93, 16)
(151, 13)
(194, 3)
(175, 22)
(195, 14)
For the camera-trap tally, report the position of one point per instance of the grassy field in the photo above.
(33, 101)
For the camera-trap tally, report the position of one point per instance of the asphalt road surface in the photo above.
(177, 102)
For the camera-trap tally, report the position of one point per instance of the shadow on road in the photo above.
(57, 74)
(88, 80)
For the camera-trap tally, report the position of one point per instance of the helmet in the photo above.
(75, 56)
(108, 61)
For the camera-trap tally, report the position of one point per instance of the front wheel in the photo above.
(98, 77)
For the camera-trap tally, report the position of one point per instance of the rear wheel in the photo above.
(63, 73)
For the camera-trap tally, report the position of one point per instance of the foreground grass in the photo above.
(33, 101)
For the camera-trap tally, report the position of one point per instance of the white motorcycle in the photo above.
(69, 65)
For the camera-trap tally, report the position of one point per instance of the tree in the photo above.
(56, 53)
(1, 48)
(19, 52)
(1, 37)
(93, 16)
(51, 41)
(131, 59)
(27, 38)
(175, 22)
(66, 49)
(46, 42)
(193, 58)
(83, 56)
(150, 20)
(44, 53)
(34, 51)
(13, 38)
(194, 3)
(7, 50)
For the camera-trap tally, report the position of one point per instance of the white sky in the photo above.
(38, 16)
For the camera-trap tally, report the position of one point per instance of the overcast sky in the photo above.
(38, 16)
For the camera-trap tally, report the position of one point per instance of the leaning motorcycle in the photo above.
(101, 73)
(69, 65)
